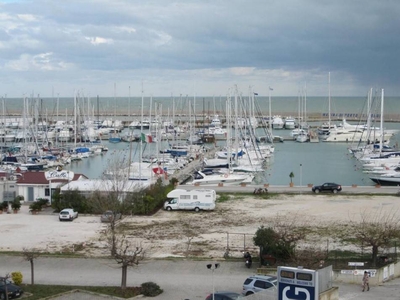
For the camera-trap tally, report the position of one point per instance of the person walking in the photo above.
(365, 281)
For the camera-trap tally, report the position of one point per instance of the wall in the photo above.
(7, 186)
(38, 191)
(378, 276)
(331, 294)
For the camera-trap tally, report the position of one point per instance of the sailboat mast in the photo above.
(269, 108)
(141, 140)
(329, 101)
(381, 138)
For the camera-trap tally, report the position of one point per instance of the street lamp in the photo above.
(301, 174)
(213, 267)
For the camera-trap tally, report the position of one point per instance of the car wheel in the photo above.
(249, 293)
(169, 208)
(2, 296)
(196, 209)
(77, 216)
(335, 191)
(316, 191)
(60, 219)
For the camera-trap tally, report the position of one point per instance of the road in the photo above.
(384, 190)
(180, 279)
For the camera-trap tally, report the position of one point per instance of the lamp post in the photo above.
(213, 267)
(301, 174)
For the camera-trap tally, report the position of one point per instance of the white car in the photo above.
(68, 214)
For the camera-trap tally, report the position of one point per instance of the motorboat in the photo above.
(302, 137)
(201, 178)
(290, 123)
(325, 128)
(277, 122)
(392, 179)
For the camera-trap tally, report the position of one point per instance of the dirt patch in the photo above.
(179, 233)
(233, 223)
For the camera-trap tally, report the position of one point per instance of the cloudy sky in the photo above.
(198, 47)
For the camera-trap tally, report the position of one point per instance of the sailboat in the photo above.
(325, 128)
(228, 177)
(302, 133)
(114, 132)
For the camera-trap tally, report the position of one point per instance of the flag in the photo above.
(255, 94)
(271, 89)
(146, 138)
(158, 170)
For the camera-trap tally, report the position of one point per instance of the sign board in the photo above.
(297, 284)
(60, 175)
(8, 196)
(356, 264)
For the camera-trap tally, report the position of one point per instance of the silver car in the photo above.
(257, 283)
(67, 214)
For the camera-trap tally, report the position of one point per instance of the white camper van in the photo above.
(191, 200)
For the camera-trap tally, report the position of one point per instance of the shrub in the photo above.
(16, 277)
(43, 202)
(4, 205)
(16, 204)
(35, 206)
(151, 289)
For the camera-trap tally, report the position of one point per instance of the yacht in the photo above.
(201, 178)
(392, 178)
(277, 122)
(302, 137)
(290, 123)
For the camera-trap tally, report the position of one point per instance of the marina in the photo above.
(268, 147)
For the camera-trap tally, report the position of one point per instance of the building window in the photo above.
(47, 192)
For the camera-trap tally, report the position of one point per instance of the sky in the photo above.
(198, 47)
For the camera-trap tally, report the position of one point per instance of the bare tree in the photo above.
(112, 192)
(126, 254)
(30, 255)
(374, 229)
(280, 237)
(189, 231)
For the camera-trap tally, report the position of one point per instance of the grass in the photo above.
(40, 291)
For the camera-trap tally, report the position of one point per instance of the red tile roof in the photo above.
(39, 178)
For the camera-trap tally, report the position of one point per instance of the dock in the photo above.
(313, 136)
(185, 174)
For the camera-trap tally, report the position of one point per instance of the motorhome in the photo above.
(200, 199)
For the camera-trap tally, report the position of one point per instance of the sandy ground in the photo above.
(231, 225)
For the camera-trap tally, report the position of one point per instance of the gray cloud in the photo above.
(179, 47)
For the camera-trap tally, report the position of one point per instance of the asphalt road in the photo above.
(388, 190)
(180, 279)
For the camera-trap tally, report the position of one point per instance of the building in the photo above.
(8, 187)
(87, 187)
(34, 185)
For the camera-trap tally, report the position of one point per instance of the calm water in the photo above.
(132, 106)
(310, 162)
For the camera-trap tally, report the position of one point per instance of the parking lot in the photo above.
(45, 232)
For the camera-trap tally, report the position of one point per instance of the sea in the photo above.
(311, 163)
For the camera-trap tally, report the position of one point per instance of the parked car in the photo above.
(109, 216)
(257, 283)
(327, 187)
(68, 214)
(13, 290)
(225, 296)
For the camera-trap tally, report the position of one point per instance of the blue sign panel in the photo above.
(295, 292)
(297, 284)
